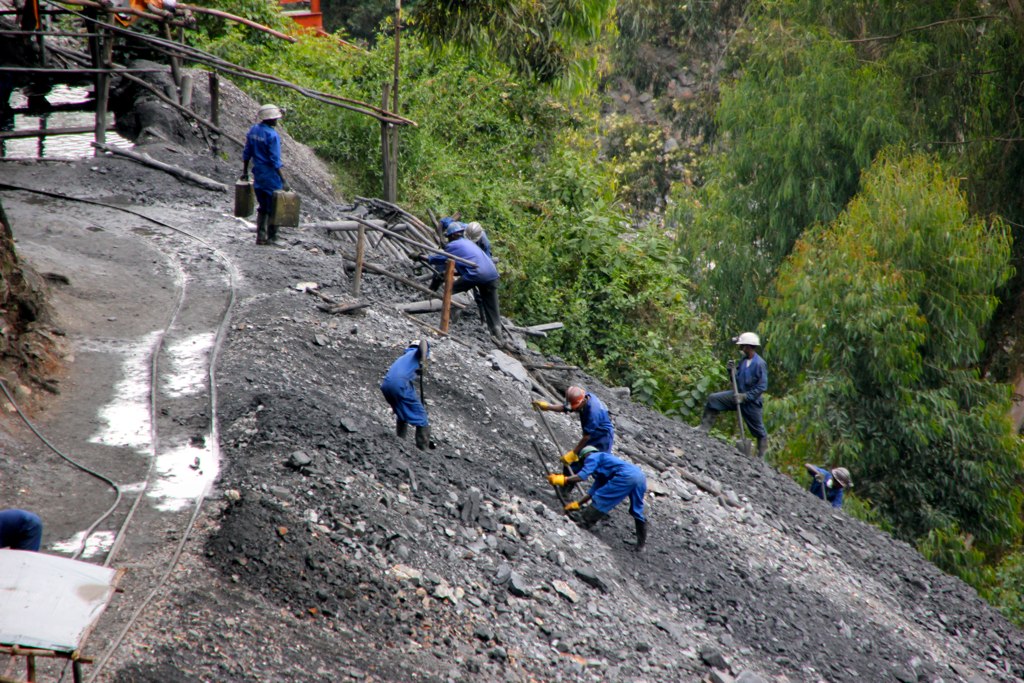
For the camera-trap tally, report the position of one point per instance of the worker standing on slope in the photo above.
(482, 275)
(400, 393)
(829, 485)
(21, 530)
(751, 382)
(614, 480)
(263, 148)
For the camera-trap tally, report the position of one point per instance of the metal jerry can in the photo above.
(245, 198)
(286, 209)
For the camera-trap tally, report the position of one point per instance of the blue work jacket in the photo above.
(597, 424)
(752, 378)
(480, 274)
(263, 148)
(833, 495)
(400, 392)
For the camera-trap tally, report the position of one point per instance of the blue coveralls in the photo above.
(752, 380)
(399, 391)
(483, 275)
(596, 423)
(833, 495)
(614, 479)
(20, 530)
(263, 148)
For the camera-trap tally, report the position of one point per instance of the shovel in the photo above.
(424, 348)
(544, 470)
(742, 444)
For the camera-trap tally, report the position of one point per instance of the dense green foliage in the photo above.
(506, 151)
(878, 320)
(547, 40)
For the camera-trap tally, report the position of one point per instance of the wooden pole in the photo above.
(106, 50)
(385, 145)
(357, 276)
(214, 83)
(175, 64)
(395, 106)
(449, 278)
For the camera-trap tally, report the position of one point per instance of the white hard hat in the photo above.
(748, 339)
(474, 231)
(268, 112)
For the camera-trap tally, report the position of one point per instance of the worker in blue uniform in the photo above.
(614, 481)
(475, 233)
(595, 421)
(263, 148)
(751, 383)
(482, 275)
(829, 485)
(400, 393)
(20, 529)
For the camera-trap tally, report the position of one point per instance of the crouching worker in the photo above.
(829, 484)
(614, 480)
(21, 530)
(397, 387)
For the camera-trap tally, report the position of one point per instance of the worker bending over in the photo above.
(400, 393)
(482, 274)
(21, 530)
(614, 480)
(829, 484)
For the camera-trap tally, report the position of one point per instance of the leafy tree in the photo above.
(877, 323)
(548, 40)
(797, 127)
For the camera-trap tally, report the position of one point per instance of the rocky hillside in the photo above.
(334, 551)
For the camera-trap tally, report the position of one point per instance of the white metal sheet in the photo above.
(50, 602)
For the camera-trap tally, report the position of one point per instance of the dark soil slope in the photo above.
(333, 551)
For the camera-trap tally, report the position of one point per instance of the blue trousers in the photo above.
(617, 489)
(722, 401)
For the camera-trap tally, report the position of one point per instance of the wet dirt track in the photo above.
(376, 561)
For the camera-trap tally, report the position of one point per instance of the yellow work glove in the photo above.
(574, 505)
(570, 457)
(556, 479)
(541, 405)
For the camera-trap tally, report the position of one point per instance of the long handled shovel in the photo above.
(566, 470)
(544, 470)
(742, 444)
(424, 353)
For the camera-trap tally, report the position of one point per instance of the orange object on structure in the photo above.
(308, 13)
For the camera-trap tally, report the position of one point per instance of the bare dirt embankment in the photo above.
(376, 561)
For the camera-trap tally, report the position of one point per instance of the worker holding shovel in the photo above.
(400, 392)
(751, 380)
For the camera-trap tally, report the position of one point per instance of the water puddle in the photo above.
(189, 363)
(99, 542)
(55, 109)
(182, 471)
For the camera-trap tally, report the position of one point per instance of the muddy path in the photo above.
(329, 550)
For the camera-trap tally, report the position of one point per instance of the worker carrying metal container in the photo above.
(263, 148)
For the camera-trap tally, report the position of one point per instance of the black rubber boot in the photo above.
(641, 535)
(422, 438)
(762, 446)
(590, 515)
(401, 429)
(271, 232)
(707, 421)
(262, 220)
